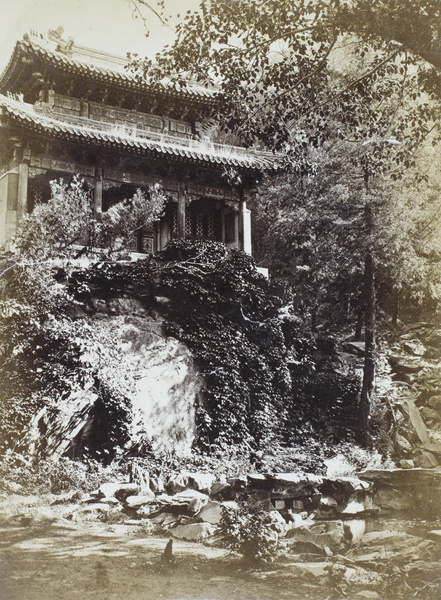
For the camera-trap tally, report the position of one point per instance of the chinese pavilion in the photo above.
(67, 109)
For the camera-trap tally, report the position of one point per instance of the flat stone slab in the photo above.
(435, 535)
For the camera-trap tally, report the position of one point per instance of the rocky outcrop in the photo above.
(157, 373)
(410, 385)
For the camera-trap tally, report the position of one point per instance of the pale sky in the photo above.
(102, 24)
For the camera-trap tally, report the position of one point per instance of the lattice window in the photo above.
(199, 226)
(210, 226)
(188, 227)
(175, 222)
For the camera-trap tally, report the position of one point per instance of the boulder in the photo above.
(309, 548)
(385, 541)
(238, 484)
(434, 448)
(211, 512)
(309, 570)
(90, 512)
(326, 534)
(425, 460)
(404, 366)
(359, 577)
(402, 446)
(170, 521)
(125, 490)
(414, 347)
(157, 485)
(186, 502)
(117, 490)
(407, 463)
(111, 501)
(277, 523)
(137, 501)
(230, 505)
(192, 532)
(434, 535)
(434, 339)
(357, 348)
(434, 402)
(221, 489)
(106, 490)
(391, 500)
(411, 412)
(430, 416)
(201, 482)
(177, 484)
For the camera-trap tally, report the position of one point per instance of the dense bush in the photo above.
(250, 531)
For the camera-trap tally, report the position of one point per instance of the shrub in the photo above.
(251, 532)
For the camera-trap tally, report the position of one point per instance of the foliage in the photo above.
(53, 228)
(45, 354)
(250, 531)
(347, 93)
(123, 220)
(55, 477)
(295, 74)
(228, 316)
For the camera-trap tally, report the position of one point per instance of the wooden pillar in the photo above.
(245, 225)
(181, 211)
(22, 195)
(98, 194)
(22, 192)
(236, 230)
(223, 226)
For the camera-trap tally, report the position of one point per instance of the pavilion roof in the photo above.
(130, 140)
(37, 50)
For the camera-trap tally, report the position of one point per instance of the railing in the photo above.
(135, 133)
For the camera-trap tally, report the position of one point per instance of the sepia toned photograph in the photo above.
(220, 300)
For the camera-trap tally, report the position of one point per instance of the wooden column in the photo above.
(98, 194)
(236, 230)
(22, 192)
(181, 211)
(245, 224)
(22, 195)
(223, 226)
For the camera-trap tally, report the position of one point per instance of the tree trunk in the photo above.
(395, 306)
(359, 325)
(369, 357)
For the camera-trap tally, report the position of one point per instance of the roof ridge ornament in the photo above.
(63, 46)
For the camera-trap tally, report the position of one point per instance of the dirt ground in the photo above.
(45, 554)
(101, 562)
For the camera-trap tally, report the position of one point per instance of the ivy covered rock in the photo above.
(199, 316)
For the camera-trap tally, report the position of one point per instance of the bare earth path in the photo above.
(108, 562)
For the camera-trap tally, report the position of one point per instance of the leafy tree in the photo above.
(43, 350)
(54, 227)
(126, 219)
(57, 227)
(300, 76)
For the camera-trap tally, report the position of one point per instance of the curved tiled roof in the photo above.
(75, 66)
(139, 142)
